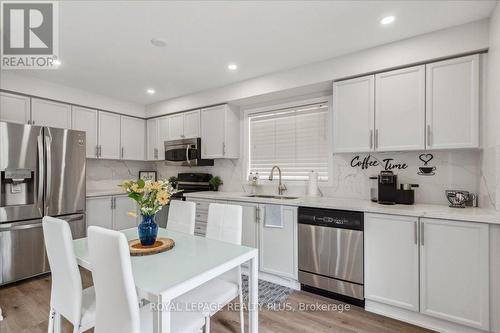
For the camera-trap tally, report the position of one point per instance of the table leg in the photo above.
(161, 316)
(253, 300)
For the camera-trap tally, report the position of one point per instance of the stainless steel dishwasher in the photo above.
(331, 253)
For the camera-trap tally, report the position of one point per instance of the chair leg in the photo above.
(242, 317)
(52, 314)
(57, 322)
(207, 325)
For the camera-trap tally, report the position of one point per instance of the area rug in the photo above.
(271, 295)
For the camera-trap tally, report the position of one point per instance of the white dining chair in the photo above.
(224, 224)
(117, 309)
(181, 216)
(67, 298)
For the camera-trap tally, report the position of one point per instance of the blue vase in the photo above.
(148, 230)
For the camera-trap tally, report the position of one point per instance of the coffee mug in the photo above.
(427, 170)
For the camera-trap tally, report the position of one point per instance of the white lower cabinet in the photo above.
(278, 240)
(100, 212)
(391, 260)
(454, 271)
(435, 267)
(111, 212)
(272, 229)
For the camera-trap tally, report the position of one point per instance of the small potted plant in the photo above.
(215, 182)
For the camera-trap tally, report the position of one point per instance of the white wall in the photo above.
(461, 39)
(32, 86)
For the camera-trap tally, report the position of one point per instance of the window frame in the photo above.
(274, 107)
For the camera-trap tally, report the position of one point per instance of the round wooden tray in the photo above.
(161, 245)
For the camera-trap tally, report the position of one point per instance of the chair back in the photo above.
(181, 216)
(225, 223)
(117, 308)
(66, 293)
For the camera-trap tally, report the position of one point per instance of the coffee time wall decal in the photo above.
(390, 164)
(371, 161)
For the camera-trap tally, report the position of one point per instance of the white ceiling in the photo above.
(105, 45)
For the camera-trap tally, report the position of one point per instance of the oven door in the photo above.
(181, 152)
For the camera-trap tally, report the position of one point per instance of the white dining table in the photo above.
(194, 260)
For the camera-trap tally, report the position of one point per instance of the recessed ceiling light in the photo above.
(151, 91)
(159, 42)
(387, 20)
(56, 62)
(232, 67)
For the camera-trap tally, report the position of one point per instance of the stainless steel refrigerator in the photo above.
(42, 173)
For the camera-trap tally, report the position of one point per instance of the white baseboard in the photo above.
(285, 282)
(418, 319)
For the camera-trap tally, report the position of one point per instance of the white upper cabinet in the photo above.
(153, 140)
(132, 138)
(452, 111)
(176, 127)
(454, 271)
(220, 128)
(86, 120)
(353, 114)
(14, 108)
(391, 260)
(163, 124)
(109, 136)
(192, 124)
(400, 109)
(51, 114)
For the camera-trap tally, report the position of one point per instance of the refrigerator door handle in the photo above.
(20, 227)
(41, 172)
(48, 190)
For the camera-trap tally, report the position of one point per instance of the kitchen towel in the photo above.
(273, 216)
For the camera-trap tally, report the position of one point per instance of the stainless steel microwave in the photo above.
(185, 152)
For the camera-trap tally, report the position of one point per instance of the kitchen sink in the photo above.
(271, 196)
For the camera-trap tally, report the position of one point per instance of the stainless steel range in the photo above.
(42, 172)
(331, 253)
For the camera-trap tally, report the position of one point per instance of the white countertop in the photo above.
(418, 210)
(104, 192)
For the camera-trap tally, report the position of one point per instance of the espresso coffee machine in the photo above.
(387, 187)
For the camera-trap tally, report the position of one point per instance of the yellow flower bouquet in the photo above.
(150, 196)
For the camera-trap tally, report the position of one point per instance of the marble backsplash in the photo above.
(107, 174)
(458, 169)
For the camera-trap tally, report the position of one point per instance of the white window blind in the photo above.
(294, 139)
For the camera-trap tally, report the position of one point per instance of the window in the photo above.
(294, 139)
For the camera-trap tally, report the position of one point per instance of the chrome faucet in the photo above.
(281, 186)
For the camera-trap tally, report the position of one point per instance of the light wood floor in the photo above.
(26, 305)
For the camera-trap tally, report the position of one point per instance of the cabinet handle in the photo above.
(371, 139)
(428, 135)
(155, 154)
(415, 230)
(111, 202)
(422, 233)
(32, 122)
(97, 151)
(123, 152)
(376, 138)
(223, 148)
(257, 215)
